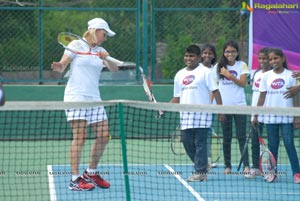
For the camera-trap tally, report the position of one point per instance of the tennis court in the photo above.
(171, 182)
(28, 165)
(35, 160)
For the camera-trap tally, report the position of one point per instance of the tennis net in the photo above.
(144, 159)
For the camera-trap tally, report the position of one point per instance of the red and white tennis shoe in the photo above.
(96, 179)
(80, 184)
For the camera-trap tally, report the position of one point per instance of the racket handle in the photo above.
(115, 61)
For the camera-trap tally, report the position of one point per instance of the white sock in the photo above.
(75, 176)
(91, 171)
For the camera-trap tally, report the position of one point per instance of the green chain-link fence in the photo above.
(150, 33)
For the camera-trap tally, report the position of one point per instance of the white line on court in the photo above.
(181, 180)
(51, 184)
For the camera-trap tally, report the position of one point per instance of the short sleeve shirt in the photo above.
(275, 85)
(194, 87)
(231, 93)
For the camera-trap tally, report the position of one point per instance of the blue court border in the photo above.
(152, 181)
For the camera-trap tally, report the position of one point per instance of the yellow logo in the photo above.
(245, 8)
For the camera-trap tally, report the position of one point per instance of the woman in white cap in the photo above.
(82, 86)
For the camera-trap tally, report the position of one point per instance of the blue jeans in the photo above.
(195, 143)
(209, 139)
(287, 132)
(209, 142)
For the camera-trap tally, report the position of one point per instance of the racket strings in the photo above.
(73, 43)
(268, 165)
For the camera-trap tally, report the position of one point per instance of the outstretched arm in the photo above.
(110, 65)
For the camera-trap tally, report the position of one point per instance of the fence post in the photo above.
(145, 36)
(124, 150)
(41, 53)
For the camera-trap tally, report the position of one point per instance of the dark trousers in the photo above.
(195, 143)
(255, 147)
(240, 127)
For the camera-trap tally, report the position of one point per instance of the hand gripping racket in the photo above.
(267, 162)
(78, 45)
(147, 88)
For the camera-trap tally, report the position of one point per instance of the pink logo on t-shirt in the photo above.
(188, 79)
(278, 83)
(257, 82)
(233, 73)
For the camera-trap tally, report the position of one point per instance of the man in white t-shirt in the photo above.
(193, 85)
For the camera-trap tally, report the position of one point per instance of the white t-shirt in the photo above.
(231, 93)
(85, 71)
(275, 85)
(194, 87)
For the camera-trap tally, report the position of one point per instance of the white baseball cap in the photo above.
(99, 23)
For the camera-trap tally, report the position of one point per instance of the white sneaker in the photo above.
(197, 177)
(253, 173)
(214, 165)
(211, 164)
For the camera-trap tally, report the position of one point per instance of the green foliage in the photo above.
(173, 59)
(24, 35)
(219, 45)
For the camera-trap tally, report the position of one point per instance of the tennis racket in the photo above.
(267, 162)
(217, 145)
(244, 150)
(176, 143)
(178, 148)
(147, 88)
(78, 45)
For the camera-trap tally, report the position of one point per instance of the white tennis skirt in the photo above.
(91, 115)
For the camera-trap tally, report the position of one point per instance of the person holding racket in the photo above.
(231, 74)
(273, 84)
(83, 86)
(264, 66)
(192, 85)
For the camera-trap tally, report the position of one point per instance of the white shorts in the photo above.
(91, 115)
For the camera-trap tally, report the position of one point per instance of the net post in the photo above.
(124, 152)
